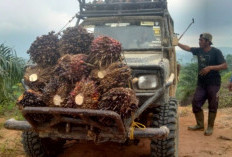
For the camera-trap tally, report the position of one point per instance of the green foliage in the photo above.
(229, 64)
(188, 81)
(225, 96)
(9, 108)
(229, 61)
(226, 77)
(11, 72)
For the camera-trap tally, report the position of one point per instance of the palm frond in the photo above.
(11, 69)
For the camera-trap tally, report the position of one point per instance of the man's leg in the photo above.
(213, 99)
(198, 101)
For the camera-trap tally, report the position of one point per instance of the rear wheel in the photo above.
(166, 115)
(35, 146)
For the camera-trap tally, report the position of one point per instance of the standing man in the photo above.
(210, 62)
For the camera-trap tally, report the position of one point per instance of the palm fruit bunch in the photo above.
(84, 95)
(72, 67)
(50, 90)
(89, 74)
(56, 92)
(121, 100)
(44, 50)
(36, 77)
(30, 98)
(75, 40)
(79, 66)
(115, 75)
(62, 93)
(104, 51)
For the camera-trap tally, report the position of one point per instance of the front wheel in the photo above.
(166, 115)
(35, 146)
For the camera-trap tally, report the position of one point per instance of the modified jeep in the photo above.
(145, 30)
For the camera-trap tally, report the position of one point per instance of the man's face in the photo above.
(203, 43)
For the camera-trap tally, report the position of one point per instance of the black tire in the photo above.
(35, 146)
(166, 115)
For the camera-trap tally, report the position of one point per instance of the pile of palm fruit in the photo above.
(78, 71)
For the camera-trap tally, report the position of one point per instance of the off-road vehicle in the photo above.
(145, 30)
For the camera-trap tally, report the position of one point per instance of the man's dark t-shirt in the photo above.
(210, 58)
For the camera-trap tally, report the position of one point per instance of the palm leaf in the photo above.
(11, 70)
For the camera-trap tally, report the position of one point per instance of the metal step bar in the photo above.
(151, 133)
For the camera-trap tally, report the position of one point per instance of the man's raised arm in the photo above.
(175, 42)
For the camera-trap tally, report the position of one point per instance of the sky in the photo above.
(21, 21)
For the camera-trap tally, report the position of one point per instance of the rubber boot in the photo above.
(200, 122)
(211, 119)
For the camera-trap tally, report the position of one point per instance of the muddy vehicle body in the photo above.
(145, 30)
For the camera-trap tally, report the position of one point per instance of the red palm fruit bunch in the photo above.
(30, 98)
(72, 67)
(50, 90)
(104, 51)
(61, 96)
(36, 77)
(56, 92)
(75, 40)
(44, 50)
(121, 100)
(84, 95)
(115, 75)
(79, 66)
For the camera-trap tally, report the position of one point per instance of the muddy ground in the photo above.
(191, 144)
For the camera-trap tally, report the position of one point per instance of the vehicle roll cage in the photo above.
(108, 8)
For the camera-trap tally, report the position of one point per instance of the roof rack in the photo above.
(111, 8)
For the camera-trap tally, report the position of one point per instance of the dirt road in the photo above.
(195, 144)
(191, 144)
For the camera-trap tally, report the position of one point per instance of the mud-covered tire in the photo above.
(166, 115)
(35, 146)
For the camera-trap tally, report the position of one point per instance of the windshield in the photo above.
(142, 35)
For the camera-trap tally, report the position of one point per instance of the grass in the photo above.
(1, 125)
(11, 148)
(185, 111)
(11, 111)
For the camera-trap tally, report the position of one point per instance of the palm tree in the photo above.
(11, 71)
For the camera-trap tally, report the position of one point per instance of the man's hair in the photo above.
(207, 37)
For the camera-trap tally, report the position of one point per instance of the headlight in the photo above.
(147, 82)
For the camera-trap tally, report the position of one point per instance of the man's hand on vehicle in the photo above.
(175, 41)
(205, 70)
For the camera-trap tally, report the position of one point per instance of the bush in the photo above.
(11, 72)
(187, 83)
(225, 96)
